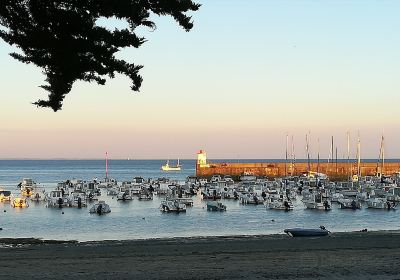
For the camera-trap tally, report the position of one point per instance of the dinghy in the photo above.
(303, 232)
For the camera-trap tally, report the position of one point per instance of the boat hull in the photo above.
(302, 232)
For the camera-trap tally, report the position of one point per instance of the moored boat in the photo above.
(380, 203)
(307, 232)
(5, 196)
(215, 206)
(20, 202)
(100, 208)
(172, 205)
(349, 204)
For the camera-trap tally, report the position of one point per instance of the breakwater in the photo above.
(334, 170)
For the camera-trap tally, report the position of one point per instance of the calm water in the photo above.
(142, 219)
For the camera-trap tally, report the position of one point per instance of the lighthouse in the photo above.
(202, 159)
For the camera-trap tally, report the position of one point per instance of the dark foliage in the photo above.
(63, 39)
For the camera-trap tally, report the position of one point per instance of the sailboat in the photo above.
(167, 167)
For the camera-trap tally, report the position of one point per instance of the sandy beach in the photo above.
(358, 255)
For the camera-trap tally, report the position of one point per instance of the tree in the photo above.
(62, 38)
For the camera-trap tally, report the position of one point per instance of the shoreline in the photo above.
(353, 255)
(39, 241)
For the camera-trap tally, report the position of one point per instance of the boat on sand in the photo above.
(307, 232)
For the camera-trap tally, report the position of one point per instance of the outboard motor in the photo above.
(60, 202)
(326, 205)
(99, 208)
(264, 195)
(300, 189)
(235, 195)
(353, 205)
(255, 198)
(287, 206)
(79, 202)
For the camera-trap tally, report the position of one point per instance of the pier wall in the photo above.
(333, 170)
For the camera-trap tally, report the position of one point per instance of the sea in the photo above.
(143, 219)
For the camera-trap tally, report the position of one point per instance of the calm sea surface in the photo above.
(143, 219)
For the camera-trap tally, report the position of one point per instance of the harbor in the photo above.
(253, 205)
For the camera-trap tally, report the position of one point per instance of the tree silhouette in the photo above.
(61, 37)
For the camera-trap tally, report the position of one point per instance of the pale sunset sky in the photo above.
(248, 73)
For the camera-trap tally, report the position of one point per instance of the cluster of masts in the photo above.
(333, 151)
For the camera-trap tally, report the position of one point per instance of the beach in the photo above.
(354, 255)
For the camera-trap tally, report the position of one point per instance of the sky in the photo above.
(247, 75)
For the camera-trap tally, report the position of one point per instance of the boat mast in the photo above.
(382, 156)
(318, 157)
(308, 154)
(359, 156)
(293, 157)
(336, 169)
(286, 156)
(106, 165)
(348, 155)
(331, 154)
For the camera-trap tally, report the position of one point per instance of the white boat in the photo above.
(56, 199)
(124, 195)
(167, 167)
(20, 202)
(39, 194)
(27, 187)
(100, 208)
(347, 203)
(78, 199)
(316, 202)
(253, 199)
(215, 206)
(279, 204)
(380, 203)
(172, 205)
(5, 196)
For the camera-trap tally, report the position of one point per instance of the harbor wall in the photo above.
(278, 169)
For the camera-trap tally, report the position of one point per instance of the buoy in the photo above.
(143, 218)
(62, 213)
(272, 220)
(1, 228)
(5, 211)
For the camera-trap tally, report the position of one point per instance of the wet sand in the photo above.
(361, 255)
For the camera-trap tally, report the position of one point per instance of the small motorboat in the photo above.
(20, 202)
(215, 206)
(349, 204)
(5, 196)
(172, 205)
(100, 208)
(307, 232)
